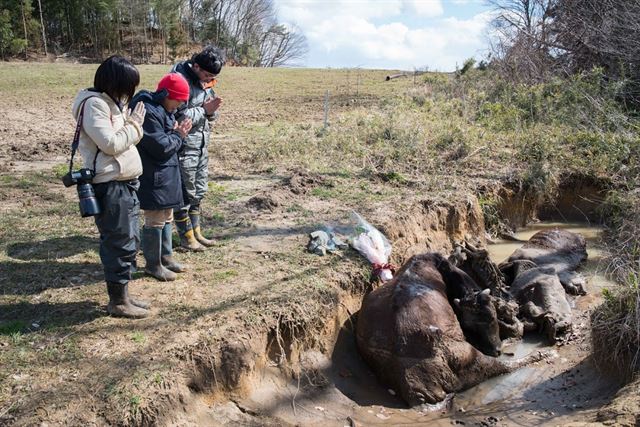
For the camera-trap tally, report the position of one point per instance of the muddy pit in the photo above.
(558, 391)
(332, 386)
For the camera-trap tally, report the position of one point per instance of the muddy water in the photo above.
(566, 389)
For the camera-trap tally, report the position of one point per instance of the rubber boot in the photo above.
(185, 231)
(152, 249)
(135, 301)
(120, 305)
(194, 216)
(167, 252)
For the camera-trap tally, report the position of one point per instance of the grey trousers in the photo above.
(119, 228)
(194, 169)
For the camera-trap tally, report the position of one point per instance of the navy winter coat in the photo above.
(160, 182)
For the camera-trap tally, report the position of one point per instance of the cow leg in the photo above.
(573, 283)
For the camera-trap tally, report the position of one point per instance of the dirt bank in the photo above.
(259, 331)
(330, 385)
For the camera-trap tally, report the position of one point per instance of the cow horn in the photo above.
(486, 292)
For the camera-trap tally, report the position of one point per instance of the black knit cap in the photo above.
(211, 59)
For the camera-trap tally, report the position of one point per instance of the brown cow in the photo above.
(409, 335)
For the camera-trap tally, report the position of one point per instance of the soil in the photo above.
(258, 331)
(339, 389)
(246, 375)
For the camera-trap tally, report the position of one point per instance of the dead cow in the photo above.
(477, 264)
(485, 319)
(561, 250)
(543, 302)
(409, 335)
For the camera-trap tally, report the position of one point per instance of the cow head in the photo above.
(479, 322)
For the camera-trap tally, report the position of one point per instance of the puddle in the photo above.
(564, 389)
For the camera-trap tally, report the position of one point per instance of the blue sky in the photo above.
(389, 34)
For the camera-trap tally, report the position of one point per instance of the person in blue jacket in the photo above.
(160, 183)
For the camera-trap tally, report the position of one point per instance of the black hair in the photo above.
(117, 77)
(211, 59)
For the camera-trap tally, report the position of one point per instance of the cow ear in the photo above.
(456, 302)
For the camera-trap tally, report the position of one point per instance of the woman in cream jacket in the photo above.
(107, 144)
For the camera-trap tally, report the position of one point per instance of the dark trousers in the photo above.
(119, 228)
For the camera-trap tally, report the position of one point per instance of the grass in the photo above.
(138, 337)
(12, 327)
(387, 142)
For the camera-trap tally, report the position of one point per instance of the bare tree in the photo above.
(523, 42)
(281, 45)
(44, 36)
(599, 32)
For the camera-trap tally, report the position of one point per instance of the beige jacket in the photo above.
(106, 128)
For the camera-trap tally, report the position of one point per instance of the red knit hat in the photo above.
(176, 85)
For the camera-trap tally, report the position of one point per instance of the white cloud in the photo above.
(344, 33)
(428, 8)
(315, 9)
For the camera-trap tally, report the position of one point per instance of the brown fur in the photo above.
(410, 336)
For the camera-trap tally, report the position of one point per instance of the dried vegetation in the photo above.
(386, 146)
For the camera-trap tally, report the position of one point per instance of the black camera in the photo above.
(82, 178)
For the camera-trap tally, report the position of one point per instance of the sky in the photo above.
(389, 34)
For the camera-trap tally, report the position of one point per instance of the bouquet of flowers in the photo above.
(372, 245)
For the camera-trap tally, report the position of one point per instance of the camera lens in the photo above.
(68, 179)
(88, 203)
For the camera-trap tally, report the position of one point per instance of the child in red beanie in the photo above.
(160, 183)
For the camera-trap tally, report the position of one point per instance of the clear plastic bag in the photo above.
(373, 245)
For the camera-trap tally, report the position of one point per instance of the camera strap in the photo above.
(76, 136)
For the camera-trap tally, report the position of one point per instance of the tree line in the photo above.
(149, 30)
(537, 39)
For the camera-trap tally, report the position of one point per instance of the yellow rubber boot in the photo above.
(185, 231)
(195, 223)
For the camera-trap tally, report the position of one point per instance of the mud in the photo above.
(563, 390)
(281, 194)
(577, 199)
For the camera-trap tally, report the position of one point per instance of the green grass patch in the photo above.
(12, 327)
(138, 337)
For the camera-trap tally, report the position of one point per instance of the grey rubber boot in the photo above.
(185, 231)
(120, 305)
(167, 252)
(135, 301)
(194, 216)
(152, 249)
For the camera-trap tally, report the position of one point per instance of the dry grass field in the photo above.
(397, 152)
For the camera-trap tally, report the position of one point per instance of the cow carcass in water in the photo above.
(543, 302)
(409, 335)
(477, 264)
(561, 250)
